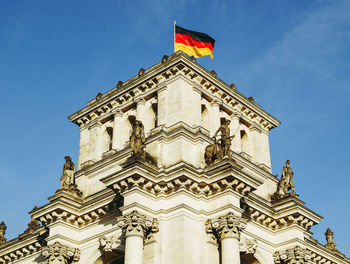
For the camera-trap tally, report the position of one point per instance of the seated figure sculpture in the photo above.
(220, 148)
(285, 184)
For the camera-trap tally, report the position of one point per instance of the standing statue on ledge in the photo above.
(225, 140)
(330, 240)
(67, 178)
(3, 228)
(137, 138)
(285, 184)
(137, 143)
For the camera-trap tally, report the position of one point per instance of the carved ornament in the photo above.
(248, 246)
(296, 255)
(109, 244)
(136, 224)
(228, 226)
(60, 254)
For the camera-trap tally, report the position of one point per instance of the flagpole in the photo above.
(174, 34)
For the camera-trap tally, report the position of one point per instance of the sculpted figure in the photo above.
(3, 228)
(67, 178)
(285, 184)
(225, 140)
(330, 240)
(137, 138)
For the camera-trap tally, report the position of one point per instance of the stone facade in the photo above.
(159, 201)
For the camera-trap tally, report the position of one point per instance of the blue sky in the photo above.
(293, 57)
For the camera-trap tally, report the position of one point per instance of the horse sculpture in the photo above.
(213, 152)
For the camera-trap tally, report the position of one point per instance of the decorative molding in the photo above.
(136, 224)
(180, 183)
(109, 244)
(20, 253)
(295, 255)
(227, 226)
(248, 246)
(60, 254)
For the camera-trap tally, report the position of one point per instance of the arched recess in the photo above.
(249, 259)
(245, 144)
(205, 117)
(110, 258)
(107, 139)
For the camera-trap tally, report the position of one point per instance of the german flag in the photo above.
(193, 43)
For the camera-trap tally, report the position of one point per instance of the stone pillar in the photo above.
(140, 108)
(215, 116)
(265, 150)
(254, 134)
(228, 229)
(84, 146)
(95, 141)
(162, 104)
(212, 244)
(235, 129)
(137, 227)
(117, 125)
(196, 105)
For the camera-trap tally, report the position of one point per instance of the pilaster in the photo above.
(234, 127)
(215, 116)
(95, 141)
(117, 144)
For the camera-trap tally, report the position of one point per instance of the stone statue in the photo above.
(3, 228)
(67, 178)
(330, 240)
(137, 143)
(225, 140)
(285, 184)
(137, 138)
(221, 148)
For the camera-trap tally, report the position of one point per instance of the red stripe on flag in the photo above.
(187, 40)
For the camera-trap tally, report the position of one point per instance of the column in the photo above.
(254, 134)
(228, 229)
(212, 251)
(84, 146)
(196, 108)
(162, 104)
(142, 114)
(265, 149)
(235, 129)
(117, 125)
(95, 141)
(215, 116)
(137, 227)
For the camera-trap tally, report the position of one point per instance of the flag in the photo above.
(193, 43)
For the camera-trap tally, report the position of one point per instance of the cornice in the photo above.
(177, 64)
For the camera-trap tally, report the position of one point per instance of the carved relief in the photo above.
(248, 246)
(296, 255)
(3, 228)
(285, 184)
(109, 244)
(228, 225)
(60, 254)
(138, 224)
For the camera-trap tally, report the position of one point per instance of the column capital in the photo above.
(95, 123)
(136, 224)
(292, 255)
(255, 127)
(228, 226)
(236, 114)
(139, 100)
(216, 102)
(197, 88)
(117, 112)
(162, 87)
(58, 253)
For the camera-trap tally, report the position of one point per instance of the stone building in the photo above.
(174, 167)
